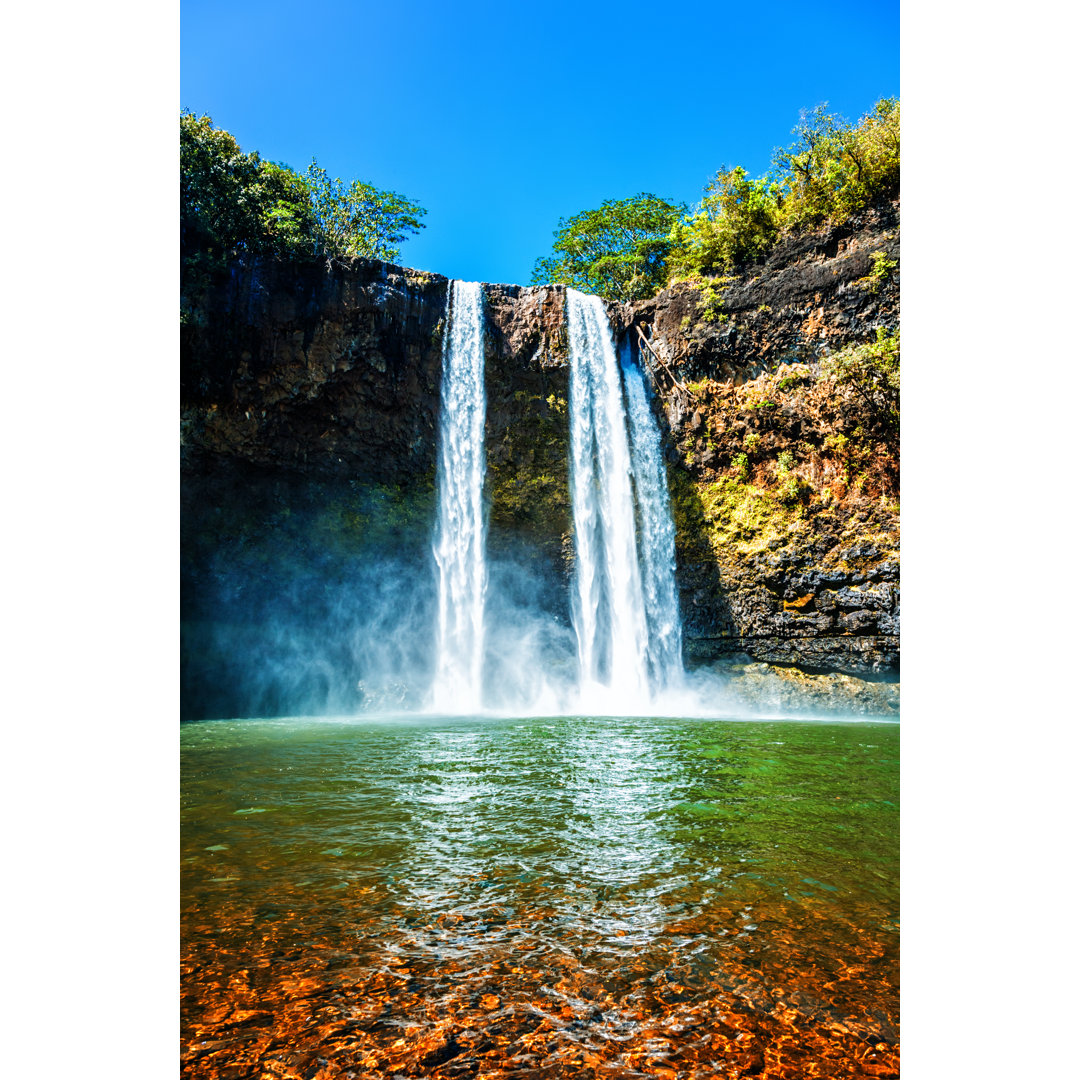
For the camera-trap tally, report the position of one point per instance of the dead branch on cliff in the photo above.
(660, 360)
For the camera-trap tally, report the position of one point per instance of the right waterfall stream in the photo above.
(625, 607)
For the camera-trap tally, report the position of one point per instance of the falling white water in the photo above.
(609, 604)
(459, 531)
(657, 543)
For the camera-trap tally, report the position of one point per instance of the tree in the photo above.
(285, 210)
(359, 219)
(739, 219)
(833, 171)
(617, 251)
(214, 173)
(232, 203)
(835, 168)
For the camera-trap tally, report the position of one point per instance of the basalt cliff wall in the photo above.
(310, 401)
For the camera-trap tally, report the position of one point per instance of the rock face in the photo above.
(328, 367)
(808, 297)
(310, 399)
(332, 370)
(785, 495)
(528, 426)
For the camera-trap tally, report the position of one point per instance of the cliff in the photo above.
(310, 397)
(785, 490)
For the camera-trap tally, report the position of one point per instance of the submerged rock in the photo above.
(764, 687)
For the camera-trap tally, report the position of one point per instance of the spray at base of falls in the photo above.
(625, 609)
(460, 531)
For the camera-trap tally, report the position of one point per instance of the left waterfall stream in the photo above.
(459, 530)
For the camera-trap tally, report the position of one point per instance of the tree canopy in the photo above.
(630, 248)
(617, 251)
(358, 218)
(234, 204)
(835, 169)
(738, 219)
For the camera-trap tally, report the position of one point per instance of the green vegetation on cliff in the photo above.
(832, 171)
(234, 203)
(527, 478)
(359, 219)
(801, 459)
(739, 219)
(617, 251)
(729, 517)
(872, 371)
(806, 435)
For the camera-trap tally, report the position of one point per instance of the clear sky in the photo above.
(500, 118)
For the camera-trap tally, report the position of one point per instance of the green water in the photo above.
(641, 807)
(759, 860)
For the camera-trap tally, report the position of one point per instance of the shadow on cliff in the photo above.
(318, 638)
(298, 597)
(318, 598)
(703, 606)
(706, 612)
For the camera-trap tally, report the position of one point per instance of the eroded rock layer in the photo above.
(309, 430)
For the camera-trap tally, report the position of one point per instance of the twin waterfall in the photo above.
(624, 607)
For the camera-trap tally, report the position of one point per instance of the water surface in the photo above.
(539, 897)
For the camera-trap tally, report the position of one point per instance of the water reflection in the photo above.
(524, 897)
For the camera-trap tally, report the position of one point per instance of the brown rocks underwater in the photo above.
(309, 426)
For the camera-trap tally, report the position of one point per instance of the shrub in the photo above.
(739, 219)
(872, 372)
(835, 169)
(880, 271)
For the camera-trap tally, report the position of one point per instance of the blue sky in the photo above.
(501, 118)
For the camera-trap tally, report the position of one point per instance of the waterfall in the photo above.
(625, 611)
(459, 532)
(657, 532)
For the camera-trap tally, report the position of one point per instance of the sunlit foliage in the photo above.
(358, 218)
(616, 251)
(739, 218)
(832, 171)
(234, 204)
(872, 372)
